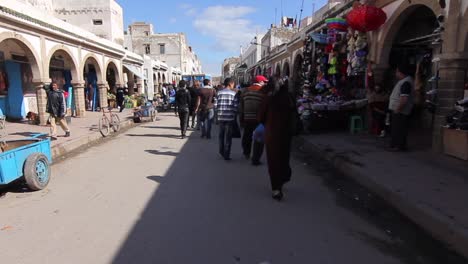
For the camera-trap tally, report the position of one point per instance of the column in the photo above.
(41, 97)
(140, 86)
(452, 72)
(78, 93)
(102, 87)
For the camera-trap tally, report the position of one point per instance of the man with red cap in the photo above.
(250, 103)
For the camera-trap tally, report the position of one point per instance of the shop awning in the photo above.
(134, 70)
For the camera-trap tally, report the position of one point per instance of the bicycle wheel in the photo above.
(104, 126)
(115, 122)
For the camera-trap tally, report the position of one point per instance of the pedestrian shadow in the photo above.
(154, 135)
(161, 153)
(158, 179)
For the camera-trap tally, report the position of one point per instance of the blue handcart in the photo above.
(28, 158)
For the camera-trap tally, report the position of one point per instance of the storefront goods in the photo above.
(366, 18)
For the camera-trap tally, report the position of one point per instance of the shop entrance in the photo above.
(417, 43)
(17, 92)
(297, 74)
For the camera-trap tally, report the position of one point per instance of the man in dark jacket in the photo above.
(120, 98)
(251, 100)
(183, 103)
(57, 108)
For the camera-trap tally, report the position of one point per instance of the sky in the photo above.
(215, 29)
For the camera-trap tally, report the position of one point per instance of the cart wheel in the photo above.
(37, 171)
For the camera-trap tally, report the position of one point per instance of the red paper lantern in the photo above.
(366, 18)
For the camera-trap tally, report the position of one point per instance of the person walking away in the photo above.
(164, 94)
(183, 103)
(276, 114)
(120, 96)
(250, 103)
(56, 107)
(401, 104)
(91, 97)
(226, 107)
(193, 108)
(205, 107)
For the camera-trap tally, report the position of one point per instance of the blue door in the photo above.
(15, 106)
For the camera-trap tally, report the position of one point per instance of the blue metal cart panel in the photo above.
(12, 161)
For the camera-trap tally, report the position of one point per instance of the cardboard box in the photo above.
(456, 143)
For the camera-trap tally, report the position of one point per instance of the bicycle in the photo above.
(107, 122)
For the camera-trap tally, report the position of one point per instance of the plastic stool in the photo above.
(356, 124)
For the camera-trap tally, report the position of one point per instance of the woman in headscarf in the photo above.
(276, 114)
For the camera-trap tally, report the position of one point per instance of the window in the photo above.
(97, 22)
(162, 48)
(147, 33)
(147, 49)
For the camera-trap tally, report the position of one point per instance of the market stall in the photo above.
(336, 72)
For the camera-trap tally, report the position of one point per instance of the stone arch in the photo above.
(92, 59)
(463, 41)
(286, 69)
(297, 72)
(112, 75)
(31, 53)
(393, 25)
(70, 61)
(112, 64)
(278, 70)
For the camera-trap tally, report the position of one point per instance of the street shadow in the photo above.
(206, 210)
(155, 136)
(158, 179)
(29, 134)
(160, 127)
(162, 153)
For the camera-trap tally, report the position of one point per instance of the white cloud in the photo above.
(228, 25)
(190, 10)
(173, 20)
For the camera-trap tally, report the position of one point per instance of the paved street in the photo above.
(149, 197)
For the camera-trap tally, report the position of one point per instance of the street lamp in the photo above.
(258, 44)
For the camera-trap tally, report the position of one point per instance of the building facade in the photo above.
(229, 67)
(37, 48)
(410, 24)
(170, 48)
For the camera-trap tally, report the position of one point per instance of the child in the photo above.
(378, 101)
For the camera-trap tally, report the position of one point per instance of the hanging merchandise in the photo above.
(337, 23)
(320, 38)
(365, 18)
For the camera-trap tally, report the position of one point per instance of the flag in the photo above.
(287, 21)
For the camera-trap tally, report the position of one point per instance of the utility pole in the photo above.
(300, 17)
(281, 13)
(313, 12)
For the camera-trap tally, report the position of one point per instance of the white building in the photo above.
(37, 48)
(169, 48)
(229, 67)
(104, 18)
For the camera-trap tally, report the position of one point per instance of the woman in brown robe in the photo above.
(276, 114)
